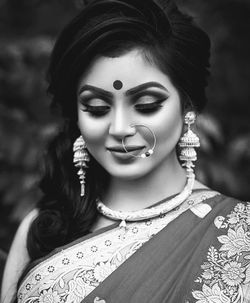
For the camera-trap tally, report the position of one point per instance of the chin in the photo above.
(129, 173)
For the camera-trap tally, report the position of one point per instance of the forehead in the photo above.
(131, 69)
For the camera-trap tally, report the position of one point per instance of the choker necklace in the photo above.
(151, 212)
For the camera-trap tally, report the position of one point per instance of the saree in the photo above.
(199, 253)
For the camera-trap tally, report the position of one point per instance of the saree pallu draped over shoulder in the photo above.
(199, 253)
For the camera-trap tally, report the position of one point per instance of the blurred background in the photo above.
(27, 33)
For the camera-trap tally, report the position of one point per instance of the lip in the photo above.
(120, 149)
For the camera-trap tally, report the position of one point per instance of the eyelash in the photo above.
(147, 108)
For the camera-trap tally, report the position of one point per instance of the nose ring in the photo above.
(150, 151)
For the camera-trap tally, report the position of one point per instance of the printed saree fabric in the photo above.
(199, 253)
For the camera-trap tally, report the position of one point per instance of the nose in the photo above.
(120, 125)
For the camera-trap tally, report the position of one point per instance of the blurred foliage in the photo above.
(25, 125)
(27, 33)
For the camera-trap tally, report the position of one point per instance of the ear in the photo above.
(188, 106)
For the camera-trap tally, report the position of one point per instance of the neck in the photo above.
(129, 195)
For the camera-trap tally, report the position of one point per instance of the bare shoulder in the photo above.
(199, 185)
(17, 259)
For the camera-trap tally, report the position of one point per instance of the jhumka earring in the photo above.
(81, 157)
(187, 143)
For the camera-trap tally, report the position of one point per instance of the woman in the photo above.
(123, 218)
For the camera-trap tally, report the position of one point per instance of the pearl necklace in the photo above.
(147, 213)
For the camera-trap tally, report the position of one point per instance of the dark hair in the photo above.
(166, 37)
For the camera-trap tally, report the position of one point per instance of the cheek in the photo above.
(92, 129)
(169, 127)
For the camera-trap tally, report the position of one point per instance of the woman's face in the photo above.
(117, 92)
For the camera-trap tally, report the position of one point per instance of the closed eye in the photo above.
(96, 110)
(150, 107)
(146, 103)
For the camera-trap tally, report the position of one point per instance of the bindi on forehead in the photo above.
(117, 84)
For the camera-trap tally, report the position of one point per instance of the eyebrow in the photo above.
(144, 86)
(106, 94)
(99, 91)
